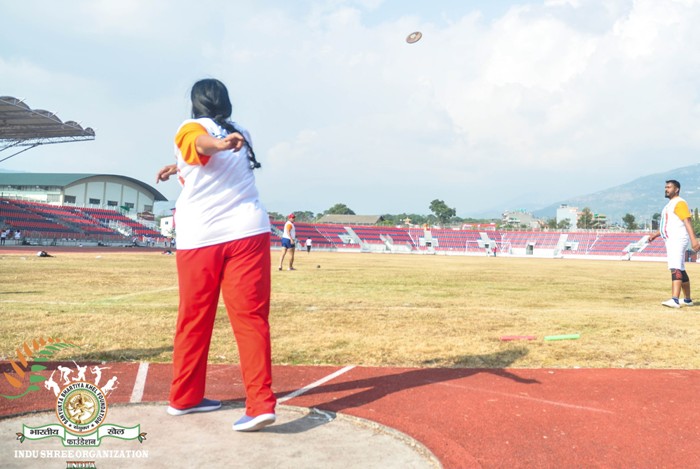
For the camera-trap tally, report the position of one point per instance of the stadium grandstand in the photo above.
(600, 244)
(49, 208)
(53, 224)
(45, 223)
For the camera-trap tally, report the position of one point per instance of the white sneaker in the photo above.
(671, 303)
(686, 303)
(253, 424)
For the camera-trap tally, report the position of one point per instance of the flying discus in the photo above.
(414, 37)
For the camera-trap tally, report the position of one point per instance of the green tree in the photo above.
(585, 220)
(339, 209)
(551, 223)
(565, 224)
(442, 212)
(629, 222)
(305, 216)
(400, 219)
(695, 221)
(276, 216)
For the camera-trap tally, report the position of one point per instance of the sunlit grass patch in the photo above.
(367, 309)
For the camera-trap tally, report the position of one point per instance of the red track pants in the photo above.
(240, 270)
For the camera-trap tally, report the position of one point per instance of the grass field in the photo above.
(367, 309)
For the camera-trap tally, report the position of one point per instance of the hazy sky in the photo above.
(502, 105)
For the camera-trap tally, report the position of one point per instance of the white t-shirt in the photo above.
(289, 231)
(219, 200)
(671, 224)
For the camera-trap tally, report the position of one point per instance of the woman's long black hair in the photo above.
(210, 99)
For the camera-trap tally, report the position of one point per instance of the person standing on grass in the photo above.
(677, 231)
(309, 242)
(223, 246)
(288, 241)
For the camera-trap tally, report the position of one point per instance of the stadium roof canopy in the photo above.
(21, 126)
(65, 179)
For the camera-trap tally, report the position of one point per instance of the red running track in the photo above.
(553, 418)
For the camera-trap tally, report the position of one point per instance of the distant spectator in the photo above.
(18, 236)
(288, 241)
(308, 245)
(3, 236)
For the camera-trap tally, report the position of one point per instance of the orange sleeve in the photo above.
(185, 141)
(681, 210)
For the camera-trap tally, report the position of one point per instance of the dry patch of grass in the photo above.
(368, 309)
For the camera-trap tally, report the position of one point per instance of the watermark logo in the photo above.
(80, 465)
(81, 405)
(24, 378)
(81, 409)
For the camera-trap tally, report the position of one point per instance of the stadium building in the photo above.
(107, 191)
(55, 208)
(50, 208)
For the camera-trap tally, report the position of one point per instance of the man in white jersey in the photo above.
(677, 231)
(289, 241)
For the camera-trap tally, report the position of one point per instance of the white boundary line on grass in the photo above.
(129, 295)
(315, 384)
(139, 383)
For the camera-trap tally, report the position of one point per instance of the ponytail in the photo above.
(210, 99)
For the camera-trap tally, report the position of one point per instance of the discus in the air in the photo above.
(414, 37)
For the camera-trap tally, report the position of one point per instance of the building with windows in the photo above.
(108, 191)
(519, 220)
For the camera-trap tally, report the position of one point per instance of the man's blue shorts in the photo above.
(287, 243)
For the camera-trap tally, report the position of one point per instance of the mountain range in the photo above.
(642, 197)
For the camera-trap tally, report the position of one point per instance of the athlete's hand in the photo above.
(232, 141)
(165, 173)
(696, 246)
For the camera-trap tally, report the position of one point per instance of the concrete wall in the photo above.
(110, 192)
